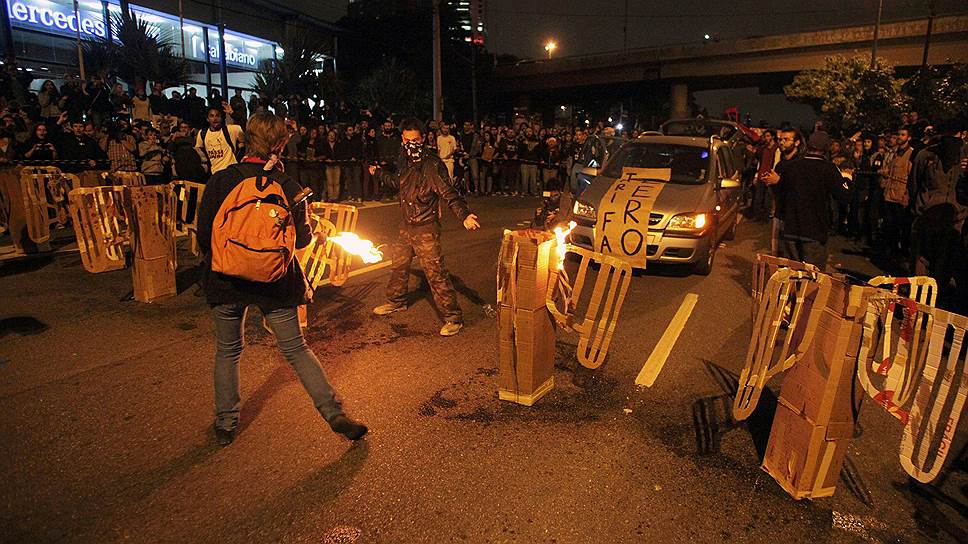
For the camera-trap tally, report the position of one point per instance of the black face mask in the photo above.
(414, 149)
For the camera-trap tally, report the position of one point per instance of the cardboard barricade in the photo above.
(120, 177)
(101, 227)
(526, 332)
(188, 197)
(91, 178)
(764, 266)
(930, 398)
(786, 320)
(815, 415)
(323, 261)
(597, 323)
(151, 214)
(44, 190)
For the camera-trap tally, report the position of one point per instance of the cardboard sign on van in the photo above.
(623, 217)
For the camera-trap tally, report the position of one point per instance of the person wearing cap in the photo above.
(803, 188)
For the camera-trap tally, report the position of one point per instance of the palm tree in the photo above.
(294, 72)
(146, 54)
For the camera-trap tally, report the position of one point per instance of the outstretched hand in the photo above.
(471, 222)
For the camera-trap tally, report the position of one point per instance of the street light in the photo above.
(550, 46)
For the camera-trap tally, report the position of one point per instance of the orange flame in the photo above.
(353, 244)
(561, 234)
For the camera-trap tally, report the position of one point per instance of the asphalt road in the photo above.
(107, 410)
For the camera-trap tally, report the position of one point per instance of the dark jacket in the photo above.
(803, 196)
(292, 289)
(935, 176)
(421, 185)
(387, 147)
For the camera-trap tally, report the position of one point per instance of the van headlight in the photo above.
(584, 210)
(689, 222)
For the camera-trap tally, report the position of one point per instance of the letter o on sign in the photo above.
(638, 243)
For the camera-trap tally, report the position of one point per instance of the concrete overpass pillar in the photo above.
(680, 101)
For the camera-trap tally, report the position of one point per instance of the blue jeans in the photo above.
(284, 322)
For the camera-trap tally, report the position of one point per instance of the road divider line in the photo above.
(652, 367)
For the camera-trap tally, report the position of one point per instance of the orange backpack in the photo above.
(253, 235)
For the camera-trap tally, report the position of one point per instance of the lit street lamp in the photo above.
(550, 46)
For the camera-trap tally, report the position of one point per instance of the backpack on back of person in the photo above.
(253, 235)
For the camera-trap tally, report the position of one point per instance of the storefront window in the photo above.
(58, 17)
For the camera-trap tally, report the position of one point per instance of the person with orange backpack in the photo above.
(251, 221)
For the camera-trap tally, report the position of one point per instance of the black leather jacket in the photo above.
(421, 185)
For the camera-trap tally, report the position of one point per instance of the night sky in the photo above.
(521, 27)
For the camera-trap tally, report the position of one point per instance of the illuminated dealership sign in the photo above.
(58, 17)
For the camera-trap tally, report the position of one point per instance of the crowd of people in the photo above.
(169, 134)
(900, 200)
(900, 196)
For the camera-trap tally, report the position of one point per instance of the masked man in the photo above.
(423, 181)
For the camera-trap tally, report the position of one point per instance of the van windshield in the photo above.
(688, 164)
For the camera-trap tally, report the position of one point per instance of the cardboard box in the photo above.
(535, 249)
(527, 354)
(150, 211)
(805, 459)
(814, 421)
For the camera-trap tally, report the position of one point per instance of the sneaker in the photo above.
(450, 329)
(223, 437)
(345, 426)
(389, 308)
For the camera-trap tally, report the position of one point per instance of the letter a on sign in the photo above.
(622, 229)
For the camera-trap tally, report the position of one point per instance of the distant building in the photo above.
(470, 24)
(44, 34)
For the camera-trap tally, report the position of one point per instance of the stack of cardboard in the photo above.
(814, 420)
(527, 333)
(151, 214)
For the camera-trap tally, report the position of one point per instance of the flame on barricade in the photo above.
(323, 260)
(354, 245)
(781, 333)
(561, 235)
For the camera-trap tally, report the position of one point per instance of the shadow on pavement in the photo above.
(24, 325)
(24, 265)
(280, 377)
(307, 498)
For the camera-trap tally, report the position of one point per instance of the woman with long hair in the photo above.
(49, 99)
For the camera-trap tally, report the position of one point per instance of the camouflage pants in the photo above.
(424, 242)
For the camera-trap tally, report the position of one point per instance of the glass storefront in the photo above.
(44, 32)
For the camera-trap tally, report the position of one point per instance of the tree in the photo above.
(393, 88)
(850, 95)
(141, 53)
(939, 92)
(295, 71)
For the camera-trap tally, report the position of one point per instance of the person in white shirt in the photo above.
(446, 146)
(219, 144)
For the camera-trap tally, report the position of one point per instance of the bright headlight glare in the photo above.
(688, 221)
(585, 210)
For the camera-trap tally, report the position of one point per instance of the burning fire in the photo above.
(561, 234)
(355, 245)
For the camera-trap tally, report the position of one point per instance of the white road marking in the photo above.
(652, 367)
